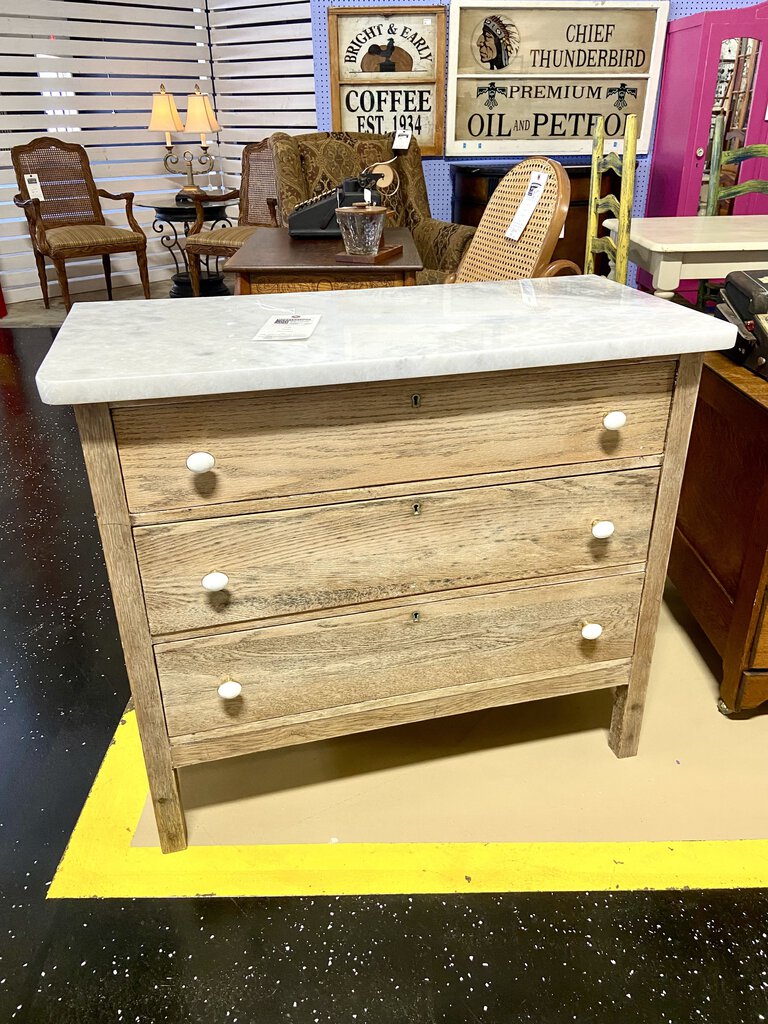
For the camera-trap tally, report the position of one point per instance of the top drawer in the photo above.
(356, 435)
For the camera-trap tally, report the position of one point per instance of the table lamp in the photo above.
(165, 118)
(200, 118)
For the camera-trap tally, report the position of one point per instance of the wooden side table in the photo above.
(271, 261)
(719, 559)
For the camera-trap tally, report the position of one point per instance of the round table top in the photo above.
(169, 207)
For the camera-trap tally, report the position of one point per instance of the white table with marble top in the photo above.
(446, 499)
(674, 249)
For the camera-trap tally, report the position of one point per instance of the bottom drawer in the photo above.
(307, 666)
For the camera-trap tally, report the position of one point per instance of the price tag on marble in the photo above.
(528, 204)
(34, 188)
(287, 327)
(402, 139)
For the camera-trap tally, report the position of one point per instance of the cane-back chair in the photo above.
(258, 208)
(623, 165)
(68, 222)
(306, 165)
(492, 256)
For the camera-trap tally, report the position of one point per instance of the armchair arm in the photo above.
(31, 208)
(225, 197)
(441, 244)
(559, 266)
(127, 198)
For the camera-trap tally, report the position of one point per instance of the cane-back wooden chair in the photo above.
(258, 208)
(68, 222)
(622, 164)
(491, 256)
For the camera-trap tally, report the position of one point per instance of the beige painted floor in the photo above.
(539, 771)
(34, 314)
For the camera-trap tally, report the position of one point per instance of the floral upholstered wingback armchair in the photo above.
(306, 165)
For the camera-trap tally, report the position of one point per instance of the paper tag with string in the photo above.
(528, 204)
(34, 188)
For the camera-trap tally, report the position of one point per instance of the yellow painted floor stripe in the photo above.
(100, 861)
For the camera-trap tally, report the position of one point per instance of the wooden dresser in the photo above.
(290, 563)
(719, 557)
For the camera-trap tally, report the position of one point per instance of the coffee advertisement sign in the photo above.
(536, 77)
(388, 71)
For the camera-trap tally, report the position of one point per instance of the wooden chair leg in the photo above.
(194, 273)
(141, 257)
(107, 262)
(61, 273)
(40, 261)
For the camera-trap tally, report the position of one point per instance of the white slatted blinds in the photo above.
(263, 70)
(87, 69)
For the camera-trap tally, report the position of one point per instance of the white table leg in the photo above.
(666, 269)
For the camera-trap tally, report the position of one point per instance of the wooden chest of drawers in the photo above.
(288, 566)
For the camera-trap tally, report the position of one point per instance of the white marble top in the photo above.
(166, 348)
(698, 234)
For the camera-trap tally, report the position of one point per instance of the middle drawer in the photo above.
(299, 560)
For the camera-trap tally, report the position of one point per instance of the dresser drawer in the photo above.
(347, 659)
(322, 439)
(328, 556)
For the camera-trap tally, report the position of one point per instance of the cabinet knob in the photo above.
(200, 462)
(229, 690)
(603, 529)
(614, 420)
(591, 630)
(215, 581)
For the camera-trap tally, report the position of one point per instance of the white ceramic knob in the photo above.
(603, 529)
(230, 690)
(200, 462)
(215, 581)
(591, 630)
(614, 420)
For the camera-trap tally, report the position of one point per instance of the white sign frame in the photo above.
(491, 147)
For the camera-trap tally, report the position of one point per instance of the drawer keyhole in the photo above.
(415, 401)
(416, 616)
(417, 508)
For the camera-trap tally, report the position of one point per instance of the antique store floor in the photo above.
(470, 824)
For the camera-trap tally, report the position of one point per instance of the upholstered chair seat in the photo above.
(76, 236)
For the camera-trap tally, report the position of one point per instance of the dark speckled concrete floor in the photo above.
(627, 957)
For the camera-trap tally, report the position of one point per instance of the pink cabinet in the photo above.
(688, 90)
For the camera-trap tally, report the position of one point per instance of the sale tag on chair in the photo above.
(402, 138)
(34, 188)
(528, 204)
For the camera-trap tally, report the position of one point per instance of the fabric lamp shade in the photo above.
(200, 115)
(165, 116)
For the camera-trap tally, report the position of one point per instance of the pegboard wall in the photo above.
(437, 170)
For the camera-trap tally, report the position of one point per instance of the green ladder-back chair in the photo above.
(624, 166)
(717, 192)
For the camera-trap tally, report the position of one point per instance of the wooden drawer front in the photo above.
(321, 439)
(333, 555)
(346, 659)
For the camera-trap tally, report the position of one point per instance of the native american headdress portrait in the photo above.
(498, 42)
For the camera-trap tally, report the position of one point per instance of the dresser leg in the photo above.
(103, 465)
(169, 813)
(626, 721)
(629, 701)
